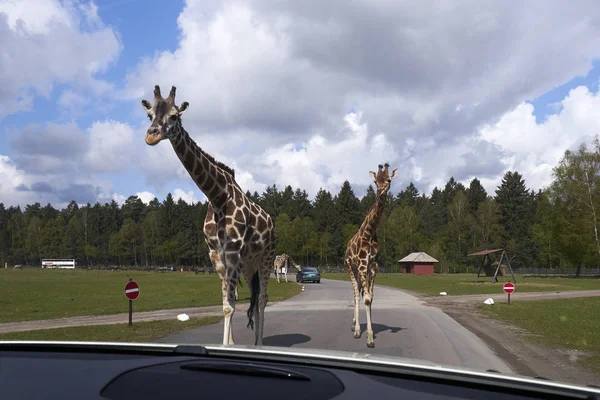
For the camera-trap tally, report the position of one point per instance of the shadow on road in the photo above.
(378, 328)
(287, 340)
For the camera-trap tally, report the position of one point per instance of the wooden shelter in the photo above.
(488, 265)
(419, 263)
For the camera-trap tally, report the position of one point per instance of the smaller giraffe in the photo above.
(362, 251)
(281, 265)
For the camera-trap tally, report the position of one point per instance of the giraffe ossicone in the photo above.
(362, 251)
(239, 234)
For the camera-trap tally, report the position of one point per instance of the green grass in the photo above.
(570, 323)
(34, 294)
(139, 332)
(460, 284)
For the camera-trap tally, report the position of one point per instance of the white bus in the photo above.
(54, 263)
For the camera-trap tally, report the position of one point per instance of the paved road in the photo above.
(321, 316)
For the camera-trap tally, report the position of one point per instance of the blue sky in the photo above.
(544, 104)
(144, 27)
(281, 95)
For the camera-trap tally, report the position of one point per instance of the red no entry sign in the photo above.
(132, 290)
(509, 287)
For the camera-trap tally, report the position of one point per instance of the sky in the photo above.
(307, 94)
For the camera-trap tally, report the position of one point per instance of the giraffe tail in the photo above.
(254, 292)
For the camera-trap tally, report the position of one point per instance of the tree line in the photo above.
(554, 227)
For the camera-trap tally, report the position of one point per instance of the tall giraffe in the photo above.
(362, 251)
(282, 261)
(239, 234)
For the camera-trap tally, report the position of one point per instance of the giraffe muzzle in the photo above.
(153, 136)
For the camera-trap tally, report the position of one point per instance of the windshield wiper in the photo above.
(247, 369)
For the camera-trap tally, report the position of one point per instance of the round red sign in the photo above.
(132, 290)
(508, 287)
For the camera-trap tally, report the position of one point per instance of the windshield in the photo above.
(411, 159)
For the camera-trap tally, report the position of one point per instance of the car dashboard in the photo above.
(191, 372)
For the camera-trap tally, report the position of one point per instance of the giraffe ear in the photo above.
(394, 173)
(183, 107)
(146, 104)
(373, 175)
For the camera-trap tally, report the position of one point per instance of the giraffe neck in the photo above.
(369, 225)
(209, 175)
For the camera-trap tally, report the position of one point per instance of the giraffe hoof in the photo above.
(356, 335)
(371, 345)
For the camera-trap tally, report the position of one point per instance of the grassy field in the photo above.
(33, 294)
(571, 323)
(139, 332)
(460, 284)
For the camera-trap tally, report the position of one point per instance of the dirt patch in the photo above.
(141, 316)
(511, 345)
(501, 297)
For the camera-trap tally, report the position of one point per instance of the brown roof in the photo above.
(484, 252)
(418, 257)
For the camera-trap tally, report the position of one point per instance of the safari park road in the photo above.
(321, 316)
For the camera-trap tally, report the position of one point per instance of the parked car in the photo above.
(308, 274)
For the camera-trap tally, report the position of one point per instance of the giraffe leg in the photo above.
(355, 320)
(370, 339)
(362, 272)
(230, 282)
(263, 297)
(372, 272)
(217, 262)
(257, 281)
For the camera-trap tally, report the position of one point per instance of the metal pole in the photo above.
(508, 302)
(131, 310)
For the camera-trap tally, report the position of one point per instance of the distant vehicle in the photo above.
(308, 274)
(56, 263)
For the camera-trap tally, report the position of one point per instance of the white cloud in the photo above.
(118, 198)
(145, 196)
(436, 90)
(537, 148)
(19, 187)
(322, 163)
(269, 84)
(72, 102)
(188, 197)
(11, 178)
(46, 42)
(111, 147)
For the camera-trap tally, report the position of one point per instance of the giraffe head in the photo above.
(383, 179)
(165, 117)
